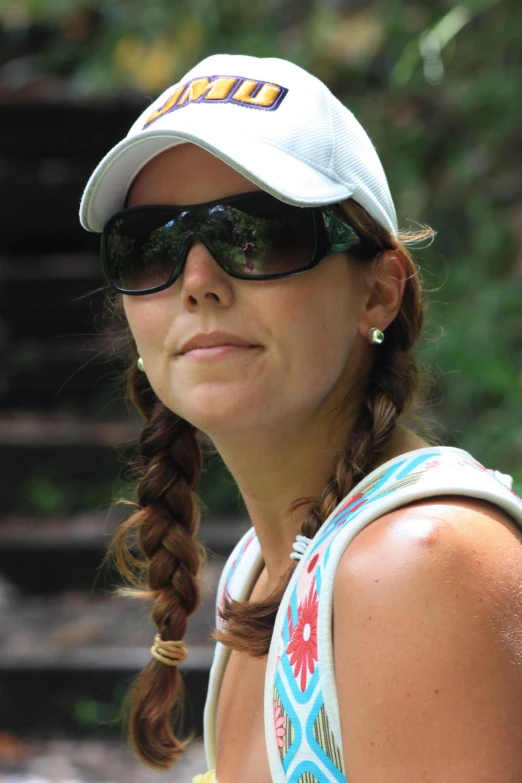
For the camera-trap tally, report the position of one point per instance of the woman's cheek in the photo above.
(147, 324)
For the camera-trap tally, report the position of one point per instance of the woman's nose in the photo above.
(202, 279)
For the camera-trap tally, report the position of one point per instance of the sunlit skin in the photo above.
(276, 412)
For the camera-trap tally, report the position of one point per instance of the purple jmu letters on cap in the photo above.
(252, 93)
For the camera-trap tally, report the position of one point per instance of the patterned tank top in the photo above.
(302, 726)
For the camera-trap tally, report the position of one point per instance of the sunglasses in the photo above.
(252, 236)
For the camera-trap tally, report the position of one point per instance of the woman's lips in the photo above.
(217, 352)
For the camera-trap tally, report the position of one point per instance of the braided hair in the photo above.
(156, 550)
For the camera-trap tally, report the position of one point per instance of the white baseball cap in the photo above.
(267, 118)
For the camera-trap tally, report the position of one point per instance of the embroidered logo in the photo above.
(222, 89)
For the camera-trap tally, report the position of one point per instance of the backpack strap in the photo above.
(237, 581)
(237, 571)
(302, 725)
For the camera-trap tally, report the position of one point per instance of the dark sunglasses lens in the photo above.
(261, 237)
(253, 236)
(142, 249)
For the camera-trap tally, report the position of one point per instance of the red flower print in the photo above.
(279, 723)
(302, 647)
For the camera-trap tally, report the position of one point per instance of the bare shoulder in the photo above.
(428, 645)
(443, 532)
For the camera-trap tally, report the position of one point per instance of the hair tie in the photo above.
(171, 653)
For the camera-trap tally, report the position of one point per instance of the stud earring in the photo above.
(376, 336)
(140, 364)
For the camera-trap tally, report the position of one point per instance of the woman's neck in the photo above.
(273, 472)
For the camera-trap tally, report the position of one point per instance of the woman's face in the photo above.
(305, 334)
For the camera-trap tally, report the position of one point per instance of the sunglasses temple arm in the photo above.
(341, 234)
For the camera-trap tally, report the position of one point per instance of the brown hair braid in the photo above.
(392, 385)
(155, 550)
(157, 553)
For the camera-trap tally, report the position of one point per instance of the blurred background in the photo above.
(436, 85)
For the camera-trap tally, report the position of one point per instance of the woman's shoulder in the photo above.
(430, 544)
(443, 567)
(476, 534)
(426, 618)
(439, 526)
(436, 500)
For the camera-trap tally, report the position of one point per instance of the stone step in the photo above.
(78, 648)
(92, 530)
(27, 428)
(61, 461)
(64, 463)
(67, 660)
(49, 266)
(46, 556)
(82, 629)
(118, 658)
(43, 759)
(86, 530)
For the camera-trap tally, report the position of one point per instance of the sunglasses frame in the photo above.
(332, 234)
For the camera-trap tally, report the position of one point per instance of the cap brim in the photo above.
(284, 176)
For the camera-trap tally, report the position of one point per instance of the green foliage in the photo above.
(437, 86)
(43, 494)
(89, 713)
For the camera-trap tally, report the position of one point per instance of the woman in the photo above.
(395, 658)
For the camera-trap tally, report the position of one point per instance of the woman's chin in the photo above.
(222, 414)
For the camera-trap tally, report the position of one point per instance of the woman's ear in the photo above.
(385, 290)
